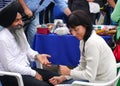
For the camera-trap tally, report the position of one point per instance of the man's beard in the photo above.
(19, 36)
(12, 28)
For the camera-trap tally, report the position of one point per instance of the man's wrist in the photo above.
(36, 56)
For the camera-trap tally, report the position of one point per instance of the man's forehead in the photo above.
(19, 16)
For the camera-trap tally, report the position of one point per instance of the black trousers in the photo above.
(29, 80)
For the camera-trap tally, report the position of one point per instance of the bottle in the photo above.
(57, 25)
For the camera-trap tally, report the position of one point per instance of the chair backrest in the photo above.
(109, 83)
(17, 75)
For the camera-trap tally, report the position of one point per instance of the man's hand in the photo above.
(38, 76)
(42, 58)
(57, 79)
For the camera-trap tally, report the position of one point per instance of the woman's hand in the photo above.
(64, 70)
(43, 59)
(38, 76)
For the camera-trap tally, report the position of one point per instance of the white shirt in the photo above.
(98, 64)
(12, 58)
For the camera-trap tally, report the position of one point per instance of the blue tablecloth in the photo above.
(63, 49)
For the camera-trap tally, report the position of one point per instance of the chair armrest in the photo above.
(79, 83)
(118, 65)
(17, 75)
(63, 85)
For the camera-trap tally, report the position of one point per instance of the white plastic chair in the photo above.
(109, 83)
(17, 75)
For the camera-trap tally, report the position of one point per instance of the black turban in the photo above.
(8, 14)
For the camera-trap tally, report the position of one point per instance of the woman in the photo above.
(97, 63)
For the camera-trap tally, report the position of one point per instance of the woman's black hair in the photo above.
(77, 18)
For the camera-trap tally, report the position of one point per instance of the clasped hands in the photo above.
(64, 70)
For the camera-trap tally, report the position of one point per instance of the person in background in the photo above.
(110, 5)
(115, 16)
(16, 54)
(79, 5)
(46, 15)
(32, 7)
(82, 5)
(58, 14)
(96, 16)
(97, 62)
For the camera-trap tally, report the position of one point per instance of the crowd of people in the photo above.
(97, 63)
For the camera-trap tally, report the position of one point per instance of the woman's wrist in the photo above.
(67, 77)
(63, 78)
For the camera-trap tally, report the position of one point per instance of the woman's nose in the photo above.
(73, 33)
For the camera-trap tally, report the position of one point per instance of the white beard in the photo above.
(20, 38)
